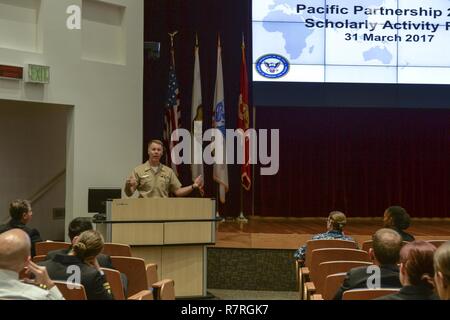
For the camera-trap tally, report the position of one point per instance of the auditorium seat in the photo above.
(113, 278)
(318, 244)
(116, 249)
(367, 245)
(332, 284)
(324, 244)
(136, 272)
(71, 291)
(151, 270)
(367, 294)
(39, 258)
(331, 254)
(134, 269)
(42, 248)
(309, 289)
(143, 295)
(164, 290)
(324, 269)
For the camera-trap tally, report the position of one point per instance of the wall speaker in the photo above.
(153, 49)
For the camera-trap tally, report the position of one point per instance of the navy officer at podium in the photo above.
(155, 180)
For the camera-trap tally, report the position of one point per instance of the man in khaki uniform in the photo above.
(155, 180)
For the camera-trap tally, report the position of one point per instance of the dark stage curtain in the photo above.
(356, 160)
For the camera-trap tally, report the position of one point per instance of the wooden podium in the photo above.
(172, 232)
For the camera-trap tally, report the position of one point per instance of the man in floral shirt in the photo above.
(335, 224)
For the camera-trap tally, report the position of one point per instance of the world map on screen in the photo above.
(382, 41)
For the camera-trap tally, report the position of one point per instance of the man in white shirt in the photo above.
(14, 256)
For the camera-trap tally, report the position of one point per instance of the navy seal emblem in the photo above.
(272, 66)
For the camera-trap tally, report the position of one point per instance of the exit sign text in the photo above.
(38, 74)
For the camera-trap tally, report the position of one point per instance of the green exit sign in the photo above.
(38, 74)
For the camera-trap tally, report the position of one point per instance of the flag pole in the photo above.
(221, 219)
(253, 168)
(241, 217)
(218, 185)
(172, 48)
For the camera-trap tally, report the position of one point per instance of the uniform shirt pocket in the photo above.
(145, 180)
(163, 180)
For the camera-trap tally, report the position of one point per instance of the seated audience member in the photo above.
(14, 256)
(442, 271)
(21, 214)
(76, 227)
(82, 255)
(335, 225)
(385, 253)
(397, 218)
(416, 272)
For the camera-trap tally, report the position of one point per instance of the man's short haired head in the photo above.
(18, 208)
(387, 244)
(396, 217)
(15, 248)
(156, 142)
(79, 225)
(337, 220)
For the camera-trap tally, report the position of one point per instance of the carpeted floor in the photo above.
(251, 269)
(253, 295)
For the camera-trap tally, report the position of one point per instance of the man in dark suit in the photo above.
(76, 227)
(385, 254)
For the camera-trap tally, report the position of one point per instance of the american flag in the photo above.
(172, 116)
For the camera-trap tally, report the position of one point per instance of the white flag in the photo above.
(220, 172)
(197, 120)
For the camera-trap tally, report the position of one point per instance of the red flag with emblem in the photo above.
(244, 121)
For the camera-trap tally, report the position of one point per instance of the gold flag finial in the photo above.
(172, 36)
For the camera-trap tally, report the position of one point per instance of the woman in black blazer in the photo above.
(80, 265)
(21, 214)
